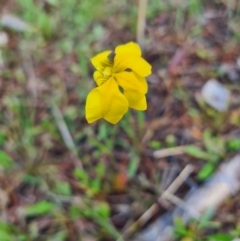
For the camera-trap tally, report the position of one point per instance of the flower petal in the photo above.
(143, 83)
(100, 61)
(131, 81)
(135, 63)
(116, 102)
(93, 107)
(136, 100)
(98, 77)
(106, 101)
(129, 48)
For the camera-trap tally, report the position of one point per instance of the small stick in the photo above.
(141, 21)
(179, 180)
(166, 194)
(223, 184)
(67, 138)
(173, 151)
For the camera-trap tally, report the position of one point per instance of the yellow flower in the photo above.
(120, 77)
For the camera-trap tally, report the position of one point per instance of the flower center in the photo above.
(107, 72)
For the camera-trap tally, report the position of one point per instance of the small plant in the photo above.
(202, 230)
(214, 151)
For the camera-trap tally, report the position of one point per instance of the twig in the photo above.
(168, 194)
(179, 180)
(224, 183)
(141, 22)
(173, 151)
(175, 200)
(67, 138)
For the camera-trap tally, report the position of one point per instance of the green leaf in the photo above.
(155, 144)
(2, 138)
(95, 185)
(214, 145)
(170, 140)
(178, 223)
(81, 175)
(179, 227)
(103, 131)
(40, 208)
(75, 212)
(133, 164)
(206, 171)
(220, 237)
(9, 232)
(5, 160)
(107, 226)
(63, 188)
(100, 170)
(103, 210)
(5, 236)
(197, 152)
(205, 220)
(44, 22)
(233, 145)
(33, 180)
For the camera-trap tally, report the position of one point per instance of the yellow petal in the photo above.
(93, 107)
(140, 66)
(129, 48)
(131, 81)
(100, 61)
(116, 102)
(106, 101)
(98, 77)
(135, 63)
(136, 100)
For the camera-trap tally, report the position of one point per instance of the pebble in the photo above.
(216, 95)
(3, 39)
(14, 22)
